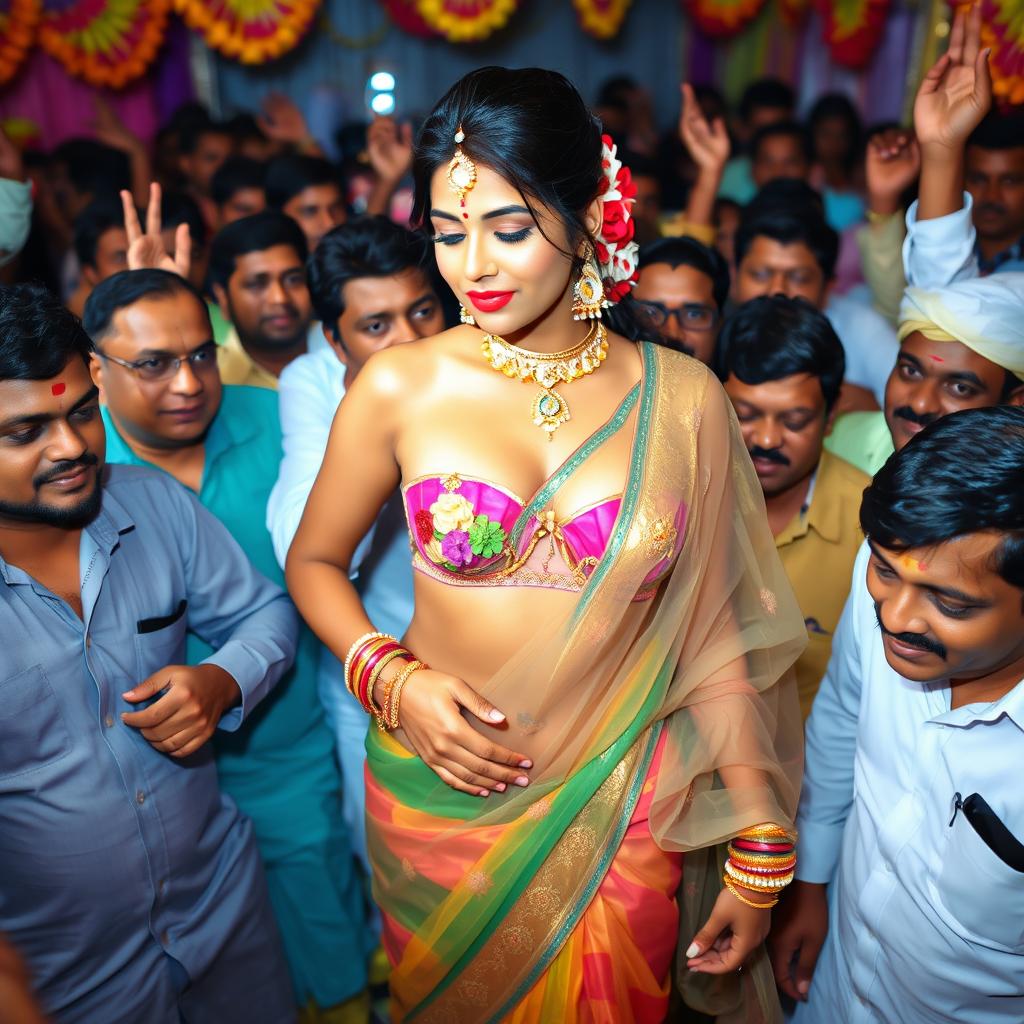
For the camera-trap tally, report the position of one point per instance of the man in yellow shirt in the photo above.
(258, 275)
(782, 366)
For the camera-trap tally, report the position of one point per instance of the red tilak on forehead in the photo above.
(936, 359)
(58, 389)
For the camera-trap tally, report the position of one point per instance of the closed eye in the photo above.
(512, 237)
(453, 239)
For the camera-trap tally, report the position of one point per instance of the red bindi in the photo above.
(58, 389)
(466, 215)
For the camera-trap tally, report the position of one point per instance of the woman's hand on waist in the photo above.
(430, 714)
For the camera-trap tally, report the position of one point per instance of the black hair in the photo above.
(180, 208)
(787, 130)
(640, 165)
(789, 195)
(999, 131)
(92, 223)
(708, 95)
(772, 337)
(962, 474)
(235, 174)
(38, 335)
(615, 91)
(533, 128)
(94, 168)
(244, 126)
(261, 231)
(128, 287)
(838, 105)
(788, 227)
(364, 247)
(291, 173)
(770, 93)
(193, 129)
(688, 252)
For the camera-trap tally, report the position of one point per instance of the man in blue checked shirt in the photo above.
(128, 882)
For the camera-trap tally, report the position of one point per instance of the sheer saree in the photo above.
(480, 897)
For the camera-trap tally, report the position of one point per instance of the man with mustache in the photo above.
(155, 363)
(909, 902)
(129, 882)
(782, 366)
(258, 275)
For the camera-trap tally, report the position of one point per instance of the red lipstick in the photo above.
(490, 302)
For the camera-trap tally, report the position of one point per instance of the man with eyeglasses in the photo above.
(155, 364)
(681, 290)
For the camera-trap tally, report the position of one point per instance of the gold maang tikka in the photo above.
(461, 172)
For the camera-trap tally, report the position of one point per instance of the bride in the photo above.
(592, 700)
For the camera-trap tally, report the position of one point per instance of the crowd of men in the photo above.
(181, 795)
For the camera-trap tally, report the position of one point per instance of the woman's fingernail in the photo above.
(496, 716)
(802, 987)
(485, 792)
(693, 951)
(522, 780)
(526, 764)
(500, 787)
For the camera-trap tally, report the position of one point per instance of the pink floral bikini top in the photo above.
(466, 531)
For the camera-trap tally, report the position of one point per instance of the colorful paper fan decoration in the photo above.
(722, 18)
(793, 12)
(105, 42)
(853, 28)
(1002, 28)
(406, 16)
(601, 18)
(251, 31)
(466, 21)
(18, 21)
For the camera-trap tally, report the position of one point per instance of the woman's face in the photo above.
(503, 269)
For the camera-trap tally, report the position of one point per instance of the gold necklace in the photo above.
(548, 369)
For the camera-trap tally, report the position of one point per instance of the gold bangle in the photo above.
(760, 860)
(743, 899)
(765, 831)
(365, 638)
(395, 695)
(362, 658)
(375, 675)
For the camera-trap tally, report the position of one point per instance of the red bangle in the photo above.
(365, 671)
(746, 844)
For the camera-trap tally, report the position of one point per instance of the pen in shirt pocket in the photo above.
(990, 829)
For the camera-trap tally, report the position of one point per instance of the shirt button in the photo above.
(109, 721)
(140, 798)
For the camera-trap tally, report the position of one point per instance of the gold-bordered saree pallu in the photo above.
(656, 728)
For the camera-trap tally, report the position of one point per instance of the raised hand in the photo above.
(389, 147)
(147, 251)
(957, 92)
(892, 166)
(111, 130)
(708, 142)
(282, 121)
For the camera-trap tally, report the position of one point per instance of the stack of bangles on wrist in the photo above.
(762, 858)
(366, 660)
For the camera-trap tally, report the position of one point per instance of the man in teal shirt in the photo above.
(155, 364)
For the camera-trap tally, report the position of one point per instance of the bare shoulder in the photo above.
(403, 371)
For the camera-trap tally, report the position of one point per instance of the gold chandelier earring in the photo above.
(465, 316)
(588, 297)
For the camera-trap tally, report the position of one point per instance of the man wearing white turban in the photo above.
(961, 336)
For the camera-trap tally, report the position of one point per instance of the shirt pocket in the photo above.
(160, 641)
(33, 733)
(981, 892)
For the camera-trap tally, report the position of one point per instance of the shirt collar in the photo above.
(1011, 705)
(1014, 252)
(238, 367)
(112, 520)
(822, 511)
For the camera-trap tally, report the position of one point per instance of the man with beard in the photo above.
(258, 274)
(164, 407)
(129, 883)
(908, 904)
(782, 366)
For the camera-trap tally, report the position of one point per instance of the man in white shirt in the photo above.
(910, 882)
(370, 290)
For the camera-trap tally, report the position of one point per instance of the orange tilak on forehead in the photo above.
(912, 563)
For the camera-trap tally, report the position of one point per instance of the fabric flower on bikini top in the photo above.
(486, 537)
(452, 512)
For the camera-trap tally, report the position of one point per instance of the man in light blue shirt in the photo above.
(912, 813)
(370, 290)
(129, 883)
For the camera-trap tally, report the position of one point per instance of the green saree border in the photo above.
(632, 494)
(608, 855)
